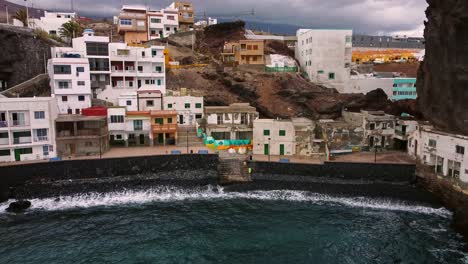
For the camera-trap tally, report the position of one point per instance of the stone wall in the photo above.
(443, 76)
(334, 172)
(37, 86)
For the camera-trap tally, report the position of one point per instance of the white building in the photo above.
(208, 22)
(96, 50)
(129, 128)
(325, 56)
(70, 83)
(52, 22)
(27, 128)
(129, 100)
(274, 137)
(133, 67)
(162, 23)
(189, 108)
(445, 152)
(379, 128)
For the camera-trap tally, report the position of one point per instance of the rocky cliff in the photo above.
(23, 55)
(443, 76)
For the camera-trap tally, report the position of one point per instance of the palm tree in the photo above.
(71, 30)
(22, 16)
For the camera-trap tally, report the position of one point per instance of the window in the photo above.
(25, 151)
(81, 98)
(154, 52)
(159, 121)
(372, 126)
(198, 105)
(143, 54)
(79, 69)
(52, 32)
(255, 47)
(460, 150)
(97, 48)
(116, 119)
(64, 98)
(41, 134)
(198, 116)
(331, 76)
(169, 120)
(126, 22)
(152, 81)
(147, 81)
(153, 32)
(88, 144)
(77, 111)
(140, 68)
(63, 85)
(266, 132)
(320, 72)
(155, 20)
(137, 125)
(149, 103)
(219, 119)
(118, 137)
(348, 39)
(158, 69)
(169, 106)
(99, 64)
(159, 82)
(432, 143)
(282, 133)
(69, 111)
(384, 125)
(4, 152)
(39, 115)
(168, 29)
(141, 23)
(129, 102)
(170, 18)
(187, 105)
(62, 69)
(81, 83)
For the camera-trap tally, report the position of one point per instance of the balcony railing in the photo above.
(164, 128)
(41, 138)
(400, 133)
(17, 123)
(4, 141)
(3, 124)
(22, 140)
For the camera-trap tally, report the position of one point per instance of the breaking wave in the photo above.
(173, 194)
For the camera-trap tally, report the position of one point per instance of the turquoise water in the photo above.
(209, 226)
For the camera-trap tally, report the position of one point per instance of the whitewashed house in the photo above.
(129, 100)
(162, 23)
(379, 129)
(129, 128)
(325, 56)
(71, 84)
(445, 152)
(52, 22)
(27, 128)
(189, 108)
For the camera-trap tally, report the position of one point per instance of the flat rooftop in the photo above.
(75, 118)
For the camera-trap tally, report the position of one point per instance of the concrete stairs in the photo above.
(233, 170)
(188, 136)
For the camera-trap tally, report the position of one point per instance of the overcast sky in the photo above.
(363, 16)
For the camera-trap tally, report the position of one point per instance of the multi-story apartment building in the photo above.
(229, 122)
(163, 23)
(27, 128)
(82, 135)
(96, 50)
(186, 15)
(325, 56)
(71, 84)
(189, 108)
(250, 52)
(445, 152)
(133, 67)
(133, 24)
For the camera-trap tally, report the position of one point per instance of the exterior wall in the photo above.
(186, 15)
(323, 53)
(42, 146)
(133, 24)
(168, 25)
(145, 97)
(123, 131)
(129, 100)
(272, 142)
(404, 88)
(443, 154)
(251, 56)
(365, 85)
(382, 133)
(52, 22)
(77, 95)
(190, 114)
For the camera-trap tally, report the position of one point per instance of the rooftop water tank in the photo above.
(88, 32)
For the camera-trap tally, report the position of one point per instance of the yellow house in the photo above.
(164, 127)
(244, 52)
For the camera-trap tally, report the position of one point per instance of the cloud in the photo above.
(363, 16)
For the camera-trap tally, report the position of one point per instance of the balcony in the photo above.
(4, 141)
(17, 123)
(41, 138)
(22, 140)
(3, 124)
(168, 128)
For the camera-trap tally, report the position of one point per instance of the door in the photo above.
(139, 83)
(71, 149)
(181, 119)
(281, 149)
(142, 139)
(266, 149)
(383, 142)
(160, 138)
(415, 148)
(17, 155)
(371, 141)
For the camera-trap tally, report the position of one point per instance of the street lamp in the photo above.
(187, 130)
(269, 149)
(27, 13)
(7, 18)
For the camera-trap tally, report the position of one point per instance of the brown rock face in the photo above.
(443, 77)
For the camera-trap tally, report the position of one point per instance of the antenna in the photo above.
(72, 3)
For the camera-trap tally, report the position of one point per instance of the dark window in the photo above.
(77, 111)
(282, 133)
(81, 98)
(159, 121)
(169, 106)
(460, 150)
(198, 116)
(64, 99)
(4, 152)
(187, 105)
(266, 132)
(69, 111)
(79, 69)
(62, 69)
(129, 102)
(25, 151)
(169, 120)
(81, 83)
(39, 115)
(149, 103)
(372, 126)
(97, 49)
(116, 119)
(198, 105)
(154, 52)
(98, 64)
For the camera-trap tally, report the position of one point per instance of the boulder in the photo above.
(18, 206)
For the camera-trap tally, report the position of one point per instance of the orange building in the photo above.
(244, 52)
(133, 24)
(164, 127)
(186, 15)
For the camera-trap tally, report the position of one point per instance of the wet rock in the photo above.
(18, 206)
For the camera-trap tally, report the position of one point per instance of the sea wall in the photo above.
(336, 171)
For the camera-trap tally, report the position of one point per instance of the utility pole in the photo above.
(27, 13)
(187, 140)
(7, 17)
(269, 149)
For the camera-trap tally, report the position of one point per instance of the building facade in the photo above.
(27, 128)
(129, 128)
(379, 129)
(162, 23)
(70, 83)
(229, 122)
(244, 52)
(164, 127)
(133, 24)
(325, 56)
(186, 15)
(189, 108)
(445, 152)
(395, 88)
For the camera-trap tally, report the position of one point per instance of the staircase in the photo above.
(233, 170)
(188, 136)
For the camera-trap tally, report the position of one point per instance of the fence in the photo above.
(281, 69)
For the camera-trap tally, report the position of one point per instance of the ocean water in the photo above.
(208, 225)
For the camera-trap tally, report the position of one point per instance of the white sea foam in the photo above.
(173, 194)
